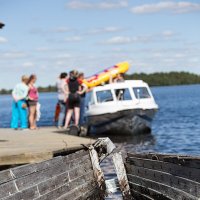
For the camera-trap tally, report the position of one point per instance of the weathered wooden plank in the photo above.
(28, 194)
(82, 169)
(149, 192)
(25, 170)
(157, 156)
(98, 173)
(104, 147)
(183, 184)
(7, 189)
(76, 162)
(174, 169)
(53, 183)
(80, 192)
(36, 178)
(93, 194)
(32, 168)
(67, 189)
(173, 193)
(121, 175)
(5, 176)
(139, 196)
(76, 155)
(193, 162)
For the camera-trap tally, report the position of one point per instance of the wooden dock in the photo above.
(26, 146)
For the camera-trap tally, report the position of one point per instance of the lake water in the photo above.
(175, 129)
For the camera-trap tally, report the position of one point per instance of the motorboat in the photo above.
(121, 108)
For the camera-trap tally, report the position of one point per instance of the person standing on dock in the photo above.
(19, 106)
(62, 98)
(82, 103)
(32, 102)
(74, 99)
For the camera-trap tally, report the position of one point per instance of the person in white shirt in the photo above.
(62, 98)
(19, 105)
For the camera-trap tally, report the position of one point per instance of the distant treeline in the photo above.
(166, 79)
(154, 79)
(49, 88)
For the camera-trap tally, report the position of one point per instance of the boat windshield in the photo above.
(123, 94)
(141, 92)
(104, 96)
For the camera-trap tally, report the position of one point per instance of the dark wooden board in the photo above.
(183, 184)
(25, 170)
(68, 191)
(166, 190)
(193, 162)
(174, 169)
(7, 189)
(138, 196)
(53, 176)
(148, 192)
(81, 192)
(30, 193)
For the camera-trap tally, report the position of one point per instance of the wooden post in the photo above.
(121, 175)
(98, 174)
(98, 151)
(104, 147)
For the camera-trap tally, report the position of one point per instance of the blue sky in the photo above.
(47, 37)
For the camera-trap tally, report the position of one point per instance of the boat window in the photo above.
(123, 94)
(104, 96)
(89, 98)
(141, 92)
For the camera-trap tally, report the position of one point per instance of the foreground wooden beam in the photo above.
(163, 176)
(122, 177)
(75, 176)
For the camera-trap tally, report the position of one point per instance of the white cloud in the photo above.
(42, 49)
(110, 29)
(170, 6)
(64, 56)
(120, 40)
(3, 40)
(157, 37)
(104, 5)
(73, 39)
(28, 64)
(62, 29)
(13, 55)
(168, 33)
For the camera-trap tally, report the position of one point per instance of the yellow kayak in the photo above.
(104, 76)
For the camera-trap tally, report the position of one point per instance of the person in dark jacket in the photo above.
(75, 89)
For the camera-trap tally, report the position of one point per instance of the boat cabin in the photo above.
(124, 95)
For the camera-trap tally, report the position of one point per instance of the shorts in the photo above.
(74, 100)
(32, 103)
